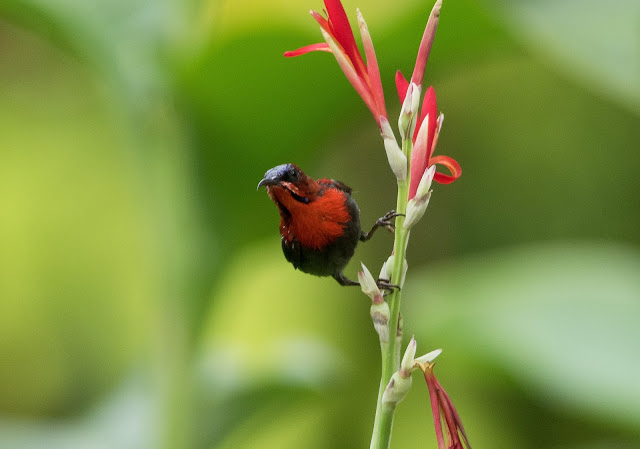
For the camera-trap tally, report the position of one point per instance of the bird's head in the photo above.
(286, 183)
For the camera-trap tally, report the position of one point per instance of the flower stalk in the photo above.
(390, 354)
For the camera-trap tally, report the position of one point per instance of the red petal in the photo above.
(419, 155)
(359, 83)
(451, 164)
(435, 408)
(375, 84)
(430, 107)
(402, 85)
(342, 33)
(322, 21)
(449, 420)
(455, 413)
(323, 46)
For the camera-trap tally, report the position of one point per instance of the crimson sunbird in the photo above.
(319, 222)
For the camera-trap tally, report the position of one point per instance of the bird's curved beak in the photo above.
(268, 181)
(275, 176)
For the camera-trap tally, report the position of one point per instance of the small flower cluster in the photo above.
(400, 382)
(421, 126)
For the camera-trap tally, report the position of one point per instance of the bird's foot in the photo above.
(382, 222)
(385, 284)
(386, 220)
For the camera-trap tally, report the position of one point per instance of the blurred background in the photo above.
(144, 299)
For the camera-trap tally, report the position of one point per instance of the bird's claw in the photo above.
(385, 284)
(385, 221)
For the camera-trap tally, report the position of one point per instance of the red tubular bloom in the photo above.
(425, 140)
(441, 404)
(365, 78)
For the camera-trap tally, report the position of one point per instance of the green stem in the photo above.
(381, 438)
(382, 435)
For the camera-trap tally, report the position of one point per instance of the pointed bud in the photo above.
(400, 382)
(387, 268)
(383, 272)
(380, 316)
(425, 182)
(415, 97)
(418, 204)
(368, 285)
(406, 367)
(407, 120)
(415, 210)
(429, 357)
(397, 159)
(404, 121)
(426, 43)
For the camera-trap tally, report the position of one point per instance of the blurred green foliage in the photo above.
(144, 298)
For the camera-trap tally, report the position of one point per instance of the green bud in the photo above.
(396, 389)
(407, 361)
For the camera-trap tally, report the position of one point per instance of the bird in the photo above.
(319, 222)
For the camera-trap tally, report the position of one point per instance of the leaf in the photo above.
(595, 42)
(122, 39)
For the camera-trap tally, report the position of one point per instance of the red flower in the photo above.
(441, 404)
(421, 157)
(365, 78)
(425, 139)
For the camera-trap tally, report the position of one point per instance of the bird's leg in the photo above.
(384, 222)
(383, 284)
(344, 281)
